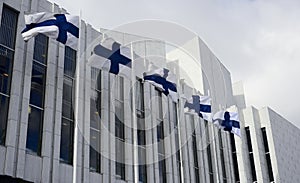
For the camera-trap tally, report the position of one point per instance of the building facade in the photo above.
(64, 120)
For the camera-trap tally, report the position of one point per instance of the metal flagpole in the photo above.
(76, 132)
(179, 106)
(134, 120)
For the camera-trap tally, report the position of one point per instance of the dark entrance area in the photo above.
(7, 179)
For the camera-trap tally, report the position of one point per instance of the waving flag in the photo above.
(201, 105)
(111, 56)
(64, 28)
(163, 79)
(229, 121)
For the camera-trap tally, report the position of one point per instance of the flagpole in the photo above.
(134, 120)
(76, 130)
(179, 106)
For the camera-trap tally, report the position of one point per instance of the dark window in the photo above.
(195, 151)
(177, 142)
(178, 159)
(209, 158)
(139, 103)
(141, 137)
(70, 62)
(141, 133)
(34, 131)
(68, 98)
(6, 63)
(267, 152)
(95, 120)
(222, 156)
(95, 158)
(234, 158)
(38, 83)
(66, 141)
(120, 170)
(143, 173)
(4, 102)
(194, 148)
(120, 158)
(119, 128)
(37, 93)
(251, 157)
(8, 28)
(67, 125)
(142, 164)
(210, 168)
(41, 49)
(162, 170)
(8, 31)
(160, 137)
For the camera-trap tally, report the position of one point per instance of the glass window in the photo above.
(38, 83)
(195, 151)
(3, 117)
(8, 30)
(6, 62)
(95, 79)
(143, 173)
(250, 150)
(95, 110)
(8, 27)
(120, 158)
(119, 88)
(70, 62)
(120, 170)
(162, 169)
(66, 141)
(139, 104)
(234, 158)
(141, 132)
(268, 157)
(37, 95)
(95, 158)
(177, 145)
(41, 48)
(68, 98)
(160, 137)
(95, 120)
(209, 157)
(222, 156)
(119, 127)
(34, 131)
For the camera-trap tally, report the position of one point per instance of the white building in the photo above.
(62, 120)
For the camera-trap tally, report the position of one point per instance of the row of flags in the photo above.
(201, 105)
(115, 58)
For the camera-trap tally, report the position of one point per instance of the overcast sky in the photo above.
(257, 40)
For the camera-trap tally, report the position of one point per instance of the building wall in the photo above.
(282, 137)
(214, 80)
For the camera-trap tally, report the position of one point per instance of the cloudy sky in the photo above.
(257, 40)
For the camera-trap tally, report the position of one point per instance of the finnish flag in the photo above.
(229, 121)
(111, 56)
(62, 27)
(201, 105)
(163, 79)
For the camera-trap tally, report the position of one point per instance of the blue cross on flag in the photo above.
(163, 79)
(109, 55)
(62, 27)
(201, 105)
(229, 121)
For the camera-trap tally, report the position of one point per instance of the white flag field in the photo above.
(62, 27)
